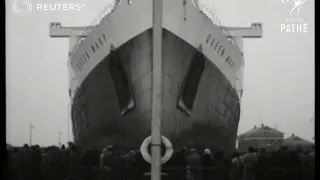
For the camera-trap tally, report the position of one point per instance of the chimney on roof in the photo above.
(262, 125)
(292, 134)
(255, 127)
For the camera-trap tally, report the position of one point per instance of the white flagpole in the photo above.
(59, 140)
(30, 133)
(68, 119)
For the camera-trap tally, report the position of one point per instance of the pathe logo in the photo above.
(297, 4)
(22, 7)
(294, 23)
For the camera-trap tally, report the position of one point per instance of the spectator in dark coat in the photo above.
(223, 165)
(294, 171)
(36, 162)
(194, 158)
(73, 156)
(207, 162)
(14, 165)
(194, 162)
(26, 160)
(263, 164)
(182, 157)
(207, 159)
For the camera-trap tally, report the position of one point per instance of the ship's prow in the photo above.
(111, 77)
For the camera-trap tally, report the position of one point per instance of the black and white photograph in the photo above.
(160, 89)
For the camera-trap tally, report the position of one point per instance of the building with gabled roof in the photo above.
(295, 141)
(260, 137)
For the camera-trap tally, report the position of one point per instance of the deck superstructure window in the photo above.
(87, 55)
(121, 84)
(190, 84)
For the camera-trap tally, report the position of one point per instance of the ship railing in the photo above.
(96, 21)
(216, 21)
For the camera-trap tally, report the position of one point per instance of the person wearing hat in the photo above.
(207, 162)
(207, 158)
(250, 161)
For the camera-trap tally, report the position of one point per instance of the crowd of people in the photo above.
(67, 163)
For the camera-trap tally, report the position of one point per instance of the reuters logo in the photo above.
(22, 7)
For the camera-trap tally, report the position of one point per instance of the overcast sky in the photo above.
(278, 77)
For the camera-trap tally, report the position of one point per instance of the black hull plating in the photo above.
(214, 118)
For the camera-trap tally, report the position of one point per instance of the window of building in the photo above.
(190, 84)
(121, 84)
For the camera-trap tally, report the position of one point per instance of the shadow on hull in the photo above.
(113, 104)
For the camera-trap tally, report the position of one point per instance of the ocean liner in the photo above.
(111, 76)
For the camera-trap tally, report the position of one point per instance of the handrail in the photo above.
(96, 21)
(214, 19)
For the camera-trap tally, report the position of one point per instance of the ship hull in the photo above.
(101, 117)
